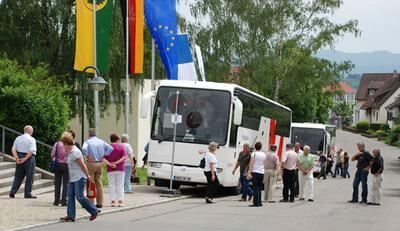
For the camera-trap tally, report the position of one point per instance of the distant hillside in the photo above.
(365, 62)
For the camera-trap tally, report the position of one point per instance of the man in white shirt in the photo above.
(24, 151)
(298, 151)
(289, 165)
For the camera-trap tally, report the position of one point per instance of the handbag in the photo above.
(53, 162)
(91, 189)
(202, 163)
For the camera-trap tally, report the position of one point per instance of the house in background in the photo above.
(376, 92)
(347, 96)
(394, 112)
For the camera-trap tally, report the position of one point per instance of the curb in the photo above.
(122, 209)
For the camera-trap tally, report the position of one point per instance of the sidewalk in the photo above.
(19, 212)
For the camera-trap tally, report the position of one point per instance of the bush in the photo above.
(393, 135)
(376, 127)
(385, 127)
(363, 126)
(381, 134)
(33, 99)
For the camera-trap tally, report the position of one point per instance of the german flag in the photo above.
(135, 30)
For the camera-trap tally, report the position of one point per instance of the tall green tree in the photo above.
(273, 42)
(35, 32)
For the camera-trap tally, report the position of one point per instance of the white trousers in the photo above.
(116, 184)
(376, 189)
(306, 185)
(270, 178)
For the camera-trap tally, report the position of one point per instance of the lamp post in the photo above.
(98, 84)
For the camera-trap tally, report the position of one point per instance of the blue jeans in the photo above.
(75, 190)
(127, 179)
(360, 176)
(246, 189)
(258, 181)
(337, 168)
(346, 171)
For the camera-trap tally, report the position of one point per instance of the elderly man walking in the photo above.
(377, 178)
(24, 151)
(289, 164)
(243, 162)
(94, 150)
(305, 164)
(271, 174)
(364, 161)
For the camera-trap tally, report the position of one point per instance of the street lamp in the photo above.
(98, 84)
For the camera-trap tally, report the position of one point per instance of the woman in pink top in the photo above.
(61, 172)
(115, 162)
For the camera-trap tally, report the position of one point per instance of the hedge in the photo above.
(30, 96)
(362, 126)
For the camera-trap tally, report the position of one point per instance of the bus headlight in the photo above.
(155, 164)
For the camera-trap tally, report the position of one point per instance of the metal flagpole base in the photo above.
(170, 193)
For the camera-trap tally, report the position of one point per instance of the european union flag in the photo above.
(162, 23)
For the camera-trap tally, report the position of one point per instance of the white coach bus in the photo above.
(225, 113)
(320, 138)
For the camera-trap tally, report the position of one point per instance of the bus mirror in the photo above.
(145, 105)
(237, 116)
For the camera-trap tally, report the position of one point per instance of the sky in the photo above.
(379, 22)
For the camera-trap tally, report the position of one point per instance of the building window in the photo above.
(371, 91)
(377, 115)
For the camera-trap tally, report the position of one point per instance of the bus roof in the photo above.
(309, 125)
(214, 86)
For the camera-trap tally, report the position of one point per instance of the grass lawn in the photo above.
(141, 173)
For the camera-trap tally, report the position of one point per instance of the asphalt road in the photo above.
(330, 211)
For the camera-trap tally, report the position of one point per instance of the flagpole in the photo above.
(95, 93)
(127, 70)
(153, 64)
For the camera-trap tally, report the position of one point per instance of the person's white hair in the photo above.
(28, 129)
(124, 138)
(306, 147)
(213, 146)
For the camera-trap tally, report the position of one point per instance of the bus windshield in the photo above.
(205, 115)
(312, 137)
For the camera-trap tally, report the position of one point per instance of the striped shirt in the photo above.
(96, 148)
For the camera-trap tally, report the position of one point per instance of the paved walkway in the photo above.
(19, 212)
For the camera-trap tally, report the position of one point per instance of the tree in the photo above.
(343, 109)
(29, 96)
(33, 32)
(273, 42)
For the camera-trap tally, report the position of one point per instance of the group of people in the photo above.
(259, 169)
(75, 166)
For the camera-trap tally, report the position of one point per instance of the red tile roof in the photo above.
(346, 88)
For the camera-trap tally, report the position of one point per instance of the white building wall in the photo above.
(382, 110)
(139, 129)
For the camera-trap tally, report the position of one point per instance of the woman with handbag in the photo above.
(60, 169)
(78, 175)
(210, 171)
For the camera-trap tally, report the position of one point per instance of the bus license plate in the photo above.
(182, 178)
